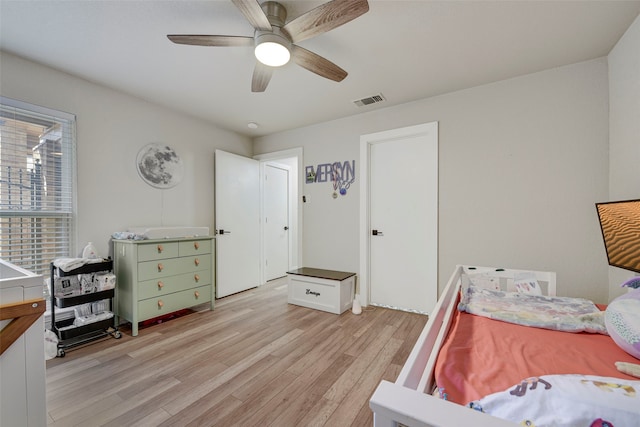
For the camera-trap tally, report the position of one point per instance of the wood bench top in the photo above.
(322, 274)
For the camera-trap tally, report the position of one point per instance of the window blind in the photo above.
(37, 184)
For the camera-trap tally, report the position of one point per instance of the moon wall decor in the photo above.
(159, 166)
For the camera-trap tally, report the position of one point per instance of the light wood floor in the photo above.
(254, 360)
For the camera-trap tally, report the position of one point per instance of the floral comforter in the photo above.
(539, 311)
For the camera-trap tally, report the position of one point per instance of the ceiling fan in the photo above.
(274, 38)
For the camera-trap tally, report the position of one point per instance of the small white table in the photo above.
(325, 290)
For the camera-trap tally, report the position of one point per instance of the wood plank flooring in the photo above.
(253, 361)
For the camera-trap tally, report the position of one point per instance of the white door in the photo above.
(403, 217)
(276, 221)
(237, 223)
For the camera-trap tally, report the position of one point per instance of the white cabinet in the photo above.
(22, 365)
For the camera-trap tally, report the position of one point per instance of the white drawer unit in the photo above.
(161, 276)
(325, 290)
(23, 400)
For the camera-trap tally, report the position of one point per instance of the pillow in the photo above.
(633, 283)
(527, 283)
(484, 281)
(566, 400)
(622, 319)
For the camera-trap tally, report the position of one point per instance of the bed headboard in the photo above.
(546, 279)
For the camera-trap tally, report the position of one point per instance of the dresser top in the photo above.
(169, 239)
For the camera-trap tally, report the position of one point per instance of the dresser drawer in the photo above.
(195, 247)
(149, 251)
(159, 306)
(167, 285)
(171, 267)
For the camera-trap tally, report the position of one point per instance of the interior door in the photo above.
(403, 206)
(276, 221)
(237, 221)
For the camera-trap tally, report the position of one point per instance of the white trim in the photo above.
(366, 141)
(363, 289)
(69, 156)
(290, 195)
(36, 108)
(296, 225)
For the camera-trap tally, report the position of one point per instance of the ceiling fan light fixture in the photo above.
(271, 49)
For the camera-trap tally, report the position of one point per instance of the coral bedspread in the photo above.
(482, 356)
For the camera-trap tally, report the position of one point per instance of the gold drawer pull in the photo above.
(160, 303)
(196, 262)
(197, 294)
(196, 245)
(160, 267)
(160, 249)
(160, 285)
(196, 277)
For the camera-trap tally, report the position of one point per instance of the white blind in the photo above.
(37, 185)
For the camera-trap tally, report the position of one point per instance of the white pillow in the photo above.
(527, 283)
(483, 281)
(622, 319)
(566, 400)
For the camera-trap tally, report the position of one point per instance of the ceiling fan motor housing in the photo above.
(269, 44)
(273, 37)
(275, 12)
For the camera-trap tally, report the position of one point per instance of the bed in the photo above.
(433, 392)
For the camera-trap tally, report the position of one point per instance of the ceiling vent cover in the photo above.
(370, 100)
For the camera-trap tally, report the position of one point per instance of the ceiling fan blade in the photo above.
(253, 12)
(324, 18)
(317, 64)
(204, 40)
(261, 77)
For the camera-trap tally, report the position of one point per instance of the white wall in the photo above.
(624, 129)
(111, 128)
(522, 163)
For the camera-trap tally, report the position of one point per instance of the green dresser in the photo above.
(157, 277)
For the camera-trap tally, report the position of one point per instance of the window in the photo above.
(37, 185)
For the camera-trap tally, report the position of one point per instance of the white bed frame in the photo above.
(408, 401)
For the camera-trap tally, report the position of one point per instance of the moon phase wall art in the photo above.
(159, 166)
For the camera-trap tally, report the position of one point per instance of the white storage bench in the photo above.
(325, 290)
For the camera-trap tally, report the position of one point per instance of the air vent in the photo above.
(374, 99)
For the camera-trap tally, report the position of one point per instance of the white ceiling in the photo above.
(406, 50)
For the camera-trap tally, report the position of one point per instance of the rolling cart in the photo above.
(69, 335)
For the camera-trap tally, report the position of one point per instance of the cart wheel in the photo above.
(117, 335)
(61, 352)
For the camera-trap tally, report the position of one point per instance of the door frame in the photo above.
(363, 294)
(296, 183)
(263, 201)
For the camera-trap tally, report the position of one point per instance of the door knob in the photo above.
(286, 228)
(377, 233)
